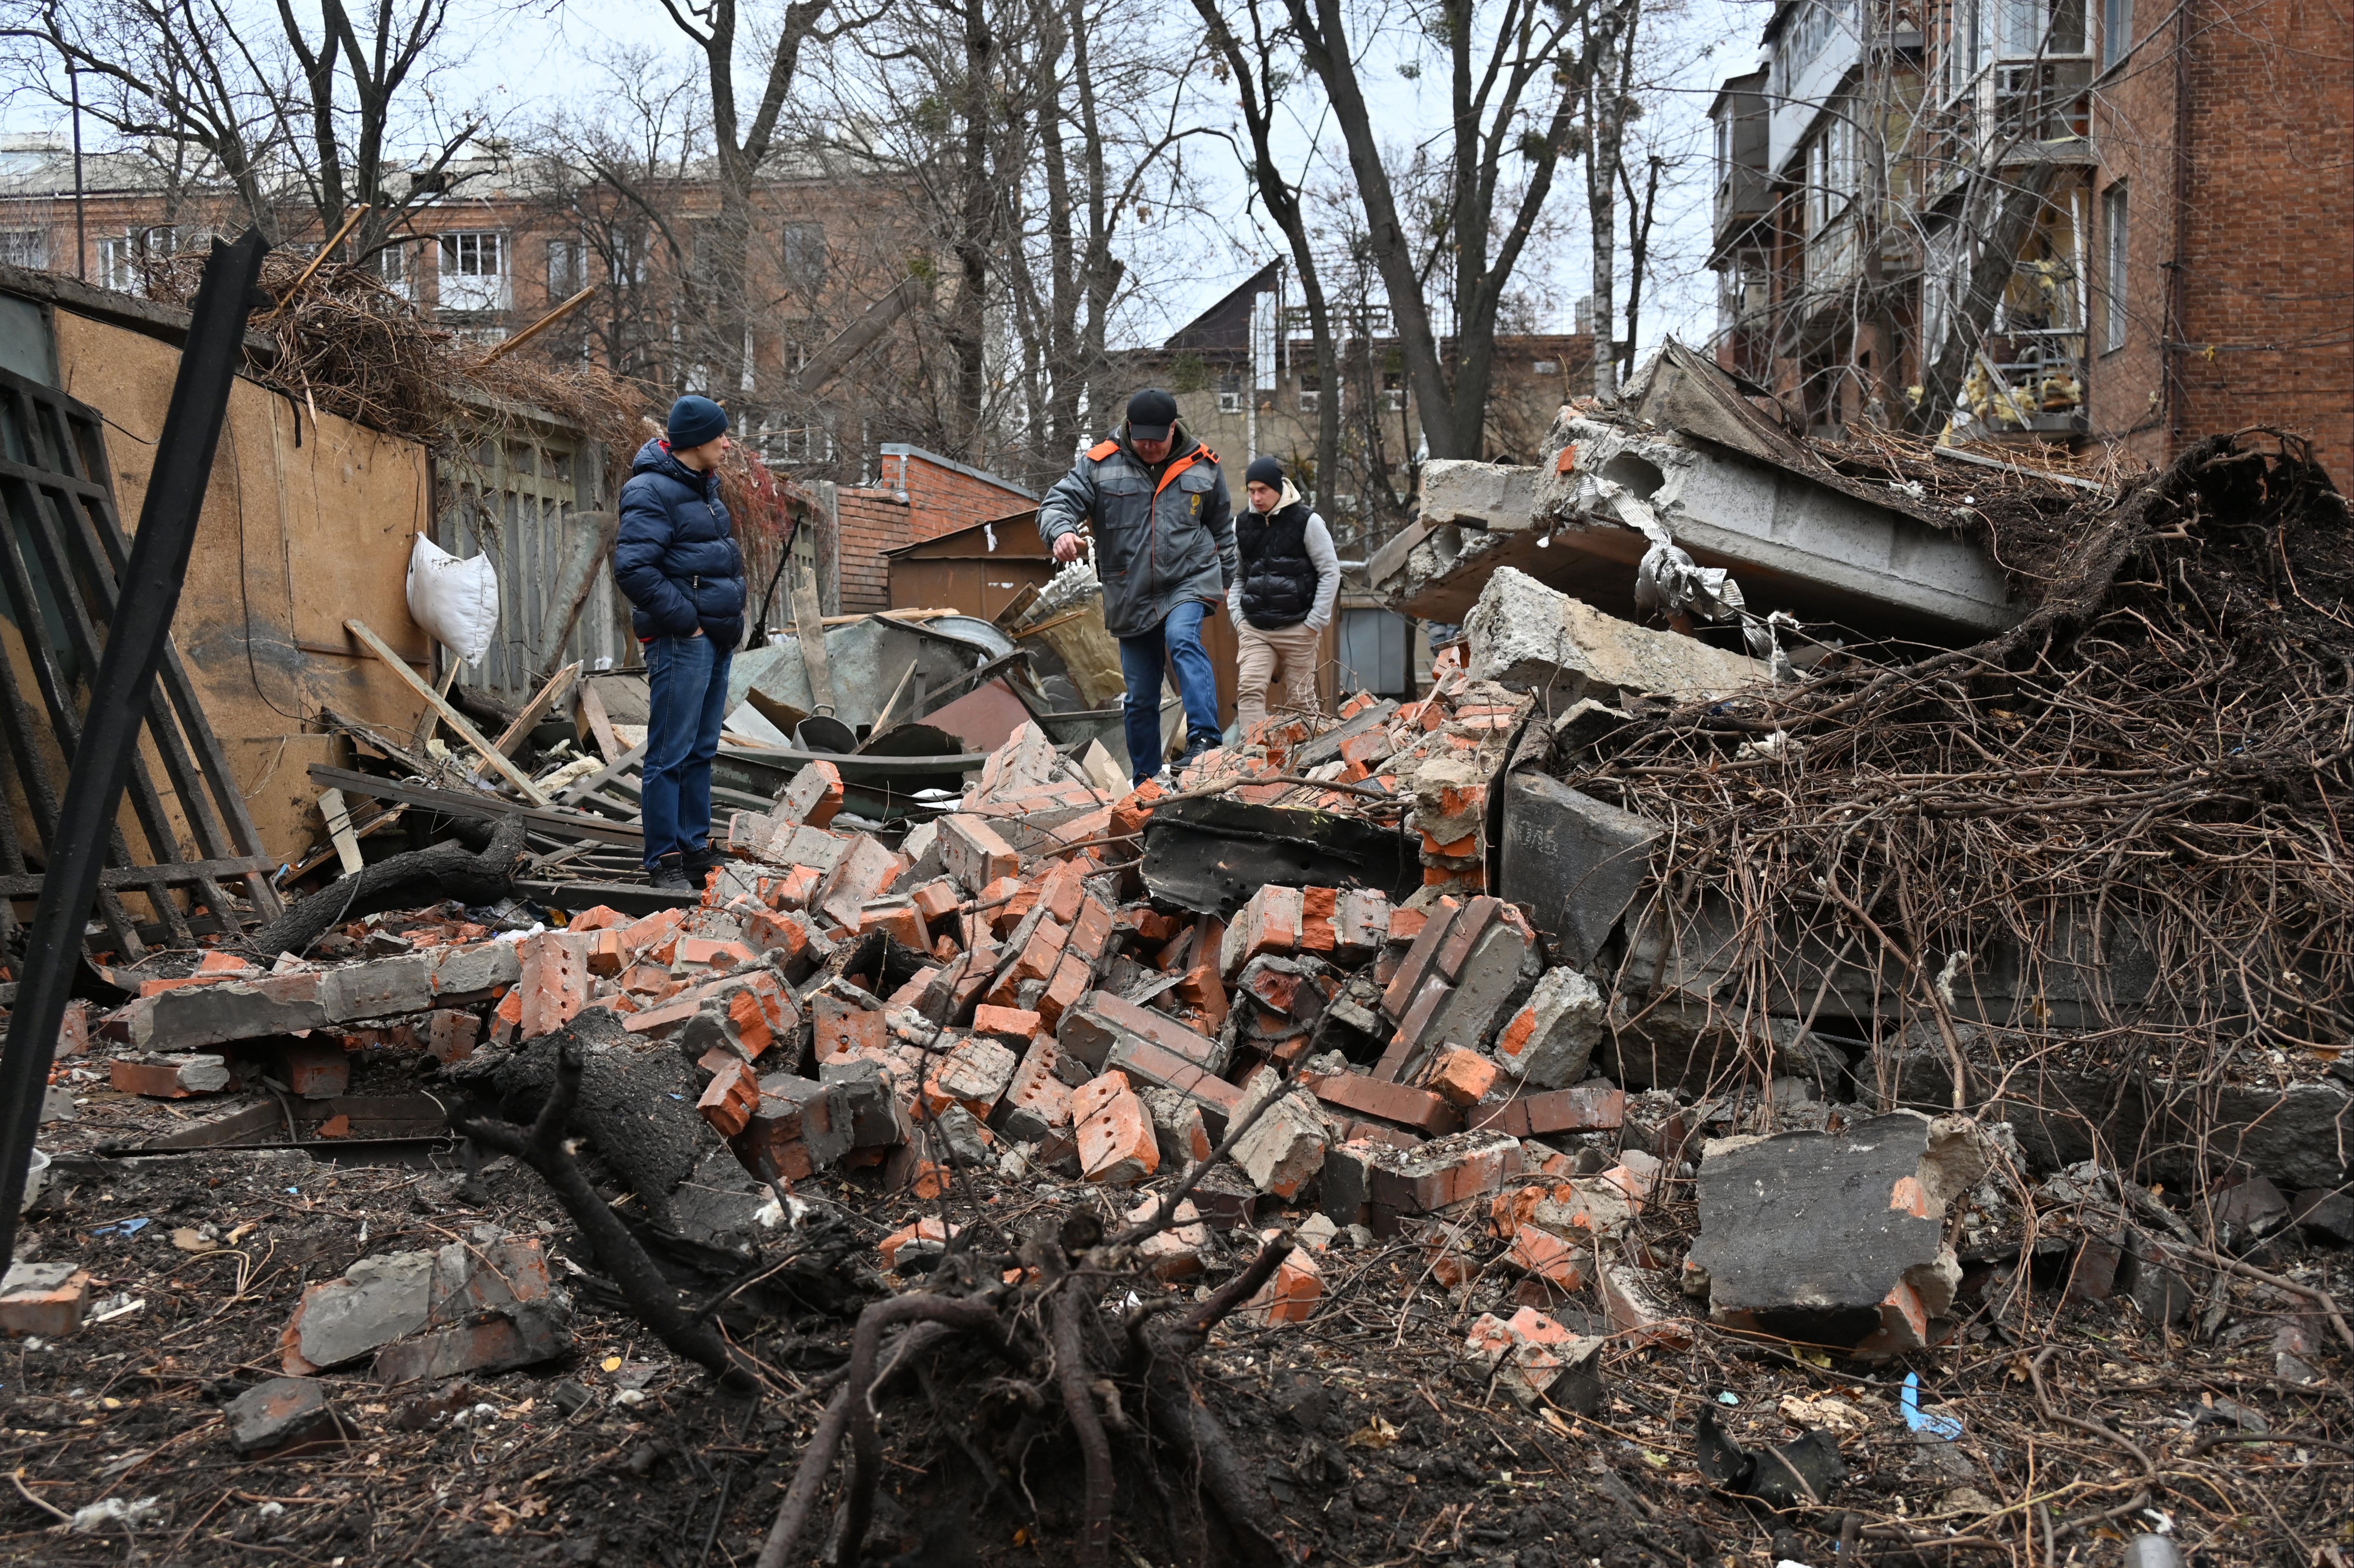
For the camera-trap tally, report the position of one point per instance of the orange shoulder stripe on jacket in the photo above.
(1180, 466)
(1103, 450)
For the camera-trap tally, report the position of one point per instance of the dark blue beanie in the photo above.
(695, 420)
(1265, 471)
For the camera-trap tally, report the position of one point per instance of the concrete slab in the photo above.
(1795, 535)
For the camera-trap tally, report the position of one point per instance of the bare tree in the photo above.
(1518, 71)
(301, 122)
(1610, 39)
(742, 146)
(1262, 67)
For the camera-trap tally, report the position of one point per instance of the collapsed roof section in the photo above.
(1685, 452)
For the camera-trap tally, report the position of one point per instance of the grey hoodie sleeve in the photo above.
(1327, 561)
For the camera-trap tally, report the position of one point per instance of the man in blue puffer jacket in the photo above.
(677, 560)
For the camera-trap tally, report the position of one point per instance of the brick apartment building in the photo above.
(2187, 271)
(503, 240)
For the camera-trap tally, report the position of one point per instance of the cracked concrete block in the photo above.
(379, 1299)
(1526, 637)
(1837, 1240)
(1575, 862)
(1549, 1041)
(1499, 497)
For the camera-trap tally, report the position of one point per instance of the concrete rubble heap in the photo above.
(1472, 1053)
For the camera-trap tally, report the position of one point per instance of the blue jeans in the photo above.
(1176, 641)
(686, 682)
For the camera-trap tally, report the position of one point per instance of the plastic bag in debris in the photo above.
(456, 601)
(1074, 582)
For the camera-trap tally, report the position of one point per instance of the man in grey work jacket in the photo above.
(1165, 550)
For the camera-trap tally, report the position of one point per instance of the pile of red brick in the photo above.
(998, 992)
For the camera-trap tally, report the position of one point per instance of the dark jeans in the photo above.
(686, 682)
(1176, 641)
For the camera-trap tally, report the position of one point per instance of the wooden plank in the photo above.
(457, 721)
(572, 826)
(428, 721)
(809, 629)
(339, 831)
(601, 728)
(551, 694)
(139, 878)
(582, 789)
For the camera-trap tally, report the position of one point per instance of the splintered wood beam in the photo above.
(459, 723)
(601, 727)
(339, 831)
(536, 709)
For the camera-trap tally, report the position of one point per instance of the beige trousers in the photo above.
(1264, 657)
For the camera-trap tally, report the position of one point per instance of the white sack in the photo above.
(456, 601)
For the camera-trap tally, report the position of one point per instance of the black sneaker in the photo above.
(1195, 751)
(668, 874)
(699, 863)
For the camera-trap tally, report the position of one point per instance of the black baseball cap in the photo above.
(1151, 415)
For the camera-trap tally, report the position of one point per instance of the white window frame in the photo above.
(476, 274)
(26, 247)
(2116, 32)
(2116, 234)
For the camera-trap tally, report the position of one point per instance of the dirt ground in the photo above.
(1377, 1442)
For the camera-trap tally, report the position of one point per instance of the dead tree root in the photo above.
(1051, 1324)
(401, 882)
(650, 1297)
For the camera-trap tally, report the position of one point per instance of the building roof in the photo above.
(1751, 85)
(1224, 327)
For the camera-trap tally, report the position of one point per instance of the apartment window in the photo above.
(473, 270)
(2030, 28)
(2116, 31)
(625, 259)
(1311, 394)
(1230, 402)
(2113, 267)
(1393, 391)
(1547, 367)
(25, 247)
(1965, 47)
(567, 269)
(390, 266)
(802, 248)
(123, 259)
(1828, 163)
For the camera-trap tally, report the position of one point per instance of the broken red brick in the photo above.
(813, 798)
(1014, 1025)
(974, 852)
(1117, 1145)
(163, 1077)
(450, 1035)
(925, 1229)
(604, 951)
(1463, 1078)
(36, 1300)
(1391, 1102)
(1541, 1253)
(730, 1098)
(936, 900)
(1290, 1296)
(315, 1072)
(843, 1030)
(555, 983)
(1271, 922)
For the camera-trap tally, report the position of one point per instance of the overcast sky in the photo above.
(528, 64)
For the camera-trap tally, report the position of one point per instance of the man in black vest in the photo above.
(1282, 600)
